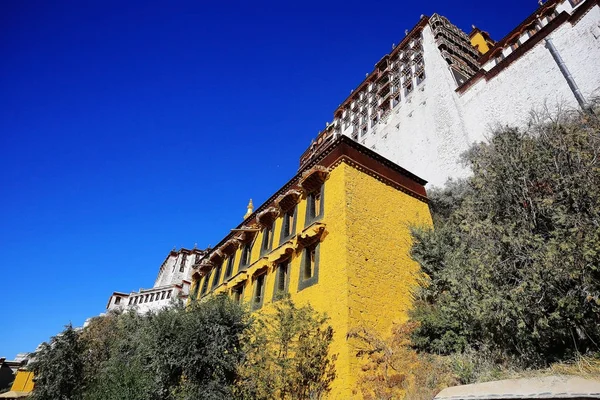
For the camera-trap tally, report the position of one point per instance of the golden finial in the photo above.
(250, 209)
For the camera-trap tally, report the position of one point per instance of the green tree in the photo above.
(58, 367)
(288, 355)
(513, 264)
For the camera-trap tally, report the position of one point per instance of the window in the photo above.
(217, 276)
(575, 2)
(281, 280)
(408, 88)
(152, 297)
(288, 224)
(229, 267)
(169, 294)
(117, 301)
(130, 301)
(245, 257)
(267, 240)
(146, 298)
(309, 266)
(195, 293)
(314, 206)
(238, 293)
(420, 77)
(205, 285)
(183, 260)
(197, 287)
(259, 291)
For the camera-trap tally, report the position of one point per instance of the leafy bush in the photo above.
(513, 264)
(208, 350)
(288, 355)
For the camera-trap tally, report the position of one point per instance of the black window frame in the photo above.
(260, 277)
(183, 261)
(279, 293)
(311, 215)
(266, 244)
(205, 284)
(217, 276)
(283, 237)
(304, 282)
(238, 293)
(229, 266)
(247, 246)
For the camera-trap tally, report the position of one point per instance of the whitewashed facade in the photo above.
(434, 94)
(173, 281)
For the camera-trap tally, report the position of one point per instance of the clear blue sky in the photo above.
(131, 127)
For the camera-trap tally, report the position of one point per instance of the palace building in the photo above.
(173, 281)
(439, 90)
(337, 236)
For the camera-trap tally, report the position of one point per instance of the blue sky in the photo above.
(129, 128)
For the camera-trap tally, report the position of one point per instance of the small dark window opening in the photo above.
(245, 258)
(165, 293)
(309, 262)
(204, 285)
(169, 294)
(117, 300)
(183, 261)
(281, 280)
(217, 276)
(288, 224)
(147, 297)
(408, 89)
(259, 289)
(238, 293)
(130, 301)
(420, 77)
(267, 240)
(315, 205)
(309, 266)
(195, 293)
(229, 267)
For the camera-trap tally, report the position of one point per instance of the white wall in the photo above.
(430, 128)
(535, 81)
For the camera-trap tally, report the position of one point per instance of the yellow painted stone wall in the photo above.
(365, 271)
(382, 274)
(23, 382)
(479, 42)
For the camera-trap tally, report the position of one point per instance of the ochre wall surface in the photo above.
(479, 42)
(23, 382)
(381, 272)
(365, 272)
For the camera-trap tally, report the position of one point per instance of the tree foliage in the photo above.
(392, 369)
(288, 355)
(513, 263)
(58, 368)
(201, 351)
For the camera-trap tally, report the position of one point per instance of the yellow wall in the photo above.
(23, 382)
(365, 272)
(479, 42)
(382, 274)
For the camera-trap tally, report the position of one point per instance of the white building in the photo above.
(434, 95)
(173, 281)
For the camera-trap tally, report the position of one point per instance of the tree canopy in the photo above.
(213, 349)
(513, 264)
